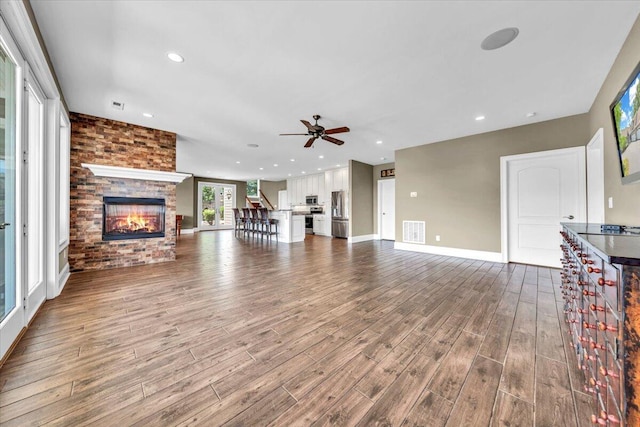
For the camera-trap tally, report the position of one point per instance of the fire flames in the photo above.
(134, 222)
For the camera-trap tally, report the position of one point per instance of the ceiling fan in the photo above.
(316, 131)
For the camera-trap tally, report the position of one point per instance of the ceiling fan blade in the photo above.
(310, 142)
(332, 139)
(307, 124)
(336, 130)
(298, 134)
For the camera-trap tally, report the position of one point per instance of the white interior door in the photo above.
(387, 209)
(595, 178)
(543, 189)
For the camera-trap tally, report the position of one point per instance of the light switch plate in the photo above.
(414, 194)
(610, 202)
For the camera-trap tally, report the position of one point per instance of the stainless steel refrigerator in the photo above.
(339, 215)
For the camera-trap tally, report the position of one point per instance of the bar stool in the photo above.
(238, 221)
(246, 218)
(255, 221)
(267, 224)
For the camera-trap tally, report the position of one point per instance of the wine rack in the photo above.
(599, 297)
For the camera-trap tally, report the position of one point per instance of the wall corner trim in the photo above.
(453, 252)
(363, 238)
(63, 278)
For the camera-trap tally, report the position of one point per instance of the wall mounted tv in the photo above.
(625, 111)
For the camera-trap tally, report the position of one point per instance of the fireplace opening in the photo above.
(132, 218)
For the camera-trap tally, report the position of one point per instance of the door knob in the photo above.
(569, 217)
(4, 225)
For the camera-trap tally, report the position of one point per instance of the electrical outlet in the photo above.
(437, 237)
(414, 194)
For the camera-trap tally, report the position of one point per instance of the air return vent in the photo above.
(413, 232)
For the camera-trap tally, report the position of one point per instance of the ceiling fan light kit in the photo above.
(316, 131)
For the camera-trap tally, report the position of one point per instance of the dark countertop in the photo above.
(616, 248)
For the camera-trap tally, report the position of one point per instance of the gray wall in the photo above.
(270, 190)
(376, 178)
(187, 197)
(626, 206)
(458, 181)
(360, 199)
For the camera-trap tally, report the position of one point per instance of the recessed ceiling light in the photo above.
(238, 161)
(275, 165)
(319, 169)
(378, 142)
(147, 115)
(252, 145)
(338, 166)
(289, 174)
(479, 118)
(208, 171)
(175, 57)
(499, 39)
(321, 156)
(383, 158)
(531, 114)
(303, 172)
(261, 168)
(293, 160)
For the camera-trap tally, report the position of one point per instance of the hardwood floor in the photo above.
(241, 333)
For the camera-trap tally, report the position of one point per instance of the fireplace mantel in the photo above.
(132, 173)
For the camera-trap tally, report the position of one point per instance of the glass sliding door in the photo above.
(215, 205)
(12, 314)
(8, 289)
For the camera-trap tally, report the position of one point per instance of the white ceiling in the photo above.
(406, 73)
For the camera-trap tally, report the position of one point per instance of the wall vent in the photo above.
(413, 232)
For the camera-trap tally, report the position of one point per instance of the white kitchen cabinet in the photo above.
(322, 224)
(327, 224)
(300, 190)
(321, 185)
(318, 224)
(297, 228)
(314, 184)
(339, 179)
(328, 186)
(309, 186)
(290, 193)
(322, 195)
(283, 199)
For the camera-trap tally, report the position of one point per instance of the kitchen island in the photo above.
(290, 226)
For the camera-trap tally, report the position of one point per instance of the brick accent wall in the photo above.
(109, 142)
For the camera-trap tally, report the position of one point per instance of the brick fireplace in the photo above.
(106, 142)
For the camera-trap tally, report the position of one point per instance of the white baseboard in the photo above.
(188, 230)
(63, 277)
(358, 239)
(454, 252)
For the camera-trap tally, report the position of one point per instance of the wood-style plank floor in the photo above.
(247, 333)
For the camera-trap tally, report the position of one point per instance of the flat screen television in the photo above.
(625, 111)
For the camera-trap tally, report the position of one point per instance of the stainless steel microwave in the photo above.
(311, 200)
